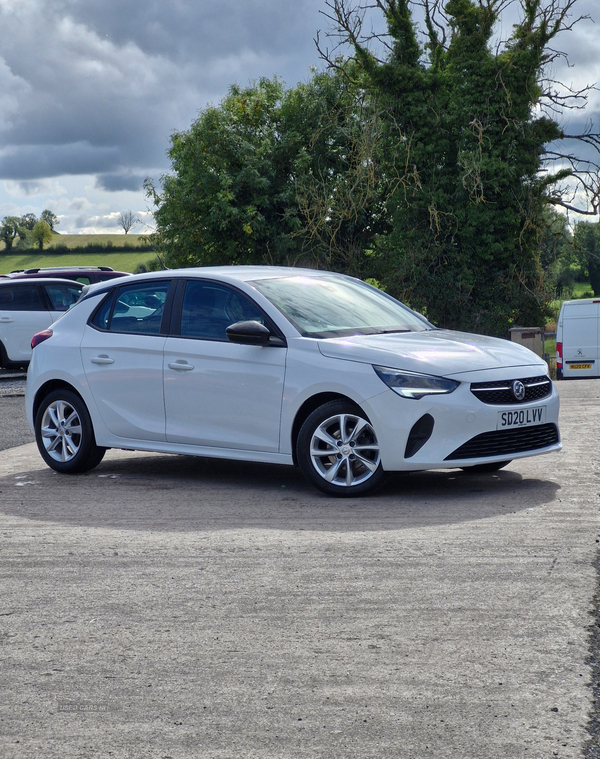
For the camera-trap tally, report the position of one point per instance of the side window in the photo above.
(21, 298)
(62, 297)
(135, 308)
(209, 308)
(102, 315)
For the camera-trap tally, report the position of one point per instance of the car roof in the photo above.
(229, 274)
(37, 269)
(248, 273)
(40, 281)
(241, 273)
(58, 271)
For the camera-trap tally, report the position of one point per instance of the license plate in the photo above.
(579, 366)
(523, 417)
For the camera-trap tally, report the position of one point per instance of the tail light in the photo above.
(39, 337)
(559, 356)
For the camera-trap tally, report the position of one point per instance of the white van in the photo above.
(577, 333)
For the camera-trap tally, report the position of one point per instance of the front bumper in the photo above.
(460, 430)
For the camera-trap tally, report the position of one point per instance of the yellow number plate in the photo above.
(580, 366)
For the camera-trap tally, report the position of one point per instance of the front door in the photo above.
(218, 393)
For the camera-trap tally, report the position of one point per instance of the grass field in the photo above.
(118, 261)
(582, 290)
(121, 261)
(79, 241)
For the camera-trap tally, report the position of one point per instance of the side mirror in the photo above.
(248, 333)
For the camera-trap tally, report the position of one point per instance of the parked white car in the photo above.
(26, 307)
(286, 366)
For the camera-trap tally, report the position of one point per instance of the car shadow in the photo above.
(183, 493)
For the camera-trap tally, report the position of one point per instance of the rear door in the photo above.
(23, 312)
(580, 339)
(122, 353)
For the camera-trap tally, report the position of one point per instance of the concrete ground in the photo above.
(170, 607)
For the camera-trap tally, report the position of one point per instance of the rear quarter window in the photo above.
(62, 297)
(133, 308)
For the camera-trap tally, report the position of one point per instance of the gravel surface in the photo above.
(12, 383)
(14, 429)
(592, 749)
(187, 607)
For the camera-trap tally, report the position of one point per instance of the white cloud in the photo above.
(90, 92)
(12, 89)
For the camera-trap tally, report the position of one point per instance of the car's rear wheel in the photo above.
(64, 434)
(338, 452)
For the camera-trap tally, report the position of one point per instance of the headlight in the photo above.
(413, 385)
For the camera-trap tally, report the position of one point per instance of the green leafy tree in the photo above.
(339, 186)
(557, 253)
(465, 119)
(10, 229)
(430, 168)
(41, 234)
(276, 176)
(587, 247)
(50, 218)
(227, 198)
(28, 221)
(556, 239)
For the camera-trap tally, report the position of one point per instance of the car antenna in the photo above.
(162, 263)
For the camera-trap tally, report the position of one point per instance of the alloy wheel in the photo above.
(344, 450)
(61, 431)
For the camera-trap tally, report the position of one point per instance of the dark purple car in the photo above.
(87, 275)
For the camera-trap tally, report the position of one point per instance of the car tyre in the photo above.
(338, 451)
(64, 434)
(484, 468)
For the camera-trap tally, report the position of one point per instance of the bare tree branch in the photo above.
(127, 220)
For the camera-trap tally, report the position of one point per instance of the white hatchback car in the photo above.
(26, 307)
(286, 366)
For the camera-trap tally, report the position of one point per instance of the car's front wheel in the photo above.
(64, 434)
(338, 451)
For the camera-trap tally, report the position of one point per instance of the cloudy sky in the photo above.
(91, 90)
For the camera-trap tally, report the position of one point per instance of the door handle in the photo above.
(181, 366)
(102, 359)
(6, 320)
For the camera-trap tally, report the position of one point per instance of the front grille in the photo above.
(507, 442)
(500, 392)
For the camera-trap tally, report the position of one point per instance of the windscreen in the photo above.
(335, 306)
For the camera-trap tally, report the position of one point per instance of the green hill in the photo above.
(121, 260)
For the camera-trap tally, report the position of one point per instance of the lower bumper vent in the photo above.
(507, 442)
(419, 435)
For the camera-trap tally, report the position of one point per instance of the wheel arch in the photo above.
(306, 409)
(50, 387)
